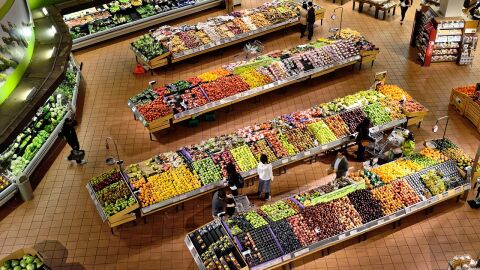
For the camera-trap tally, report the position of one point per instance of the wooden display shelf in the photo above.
(122, 220)
(378, 7)
(368, 57)
(459, 101)
(120, 216)
(472, 112)
(416, 114)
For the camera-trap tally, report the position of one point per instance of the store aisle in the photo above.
(62, 216)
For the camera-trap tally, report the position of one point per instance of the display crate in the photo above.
(472, 112)
(459, 101)
(18, 254)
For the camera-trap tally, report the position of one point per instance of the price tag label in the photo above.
(293, 158)
(323, 147)
(341, 237)
(458, 189)
(307, 153)
(285, 161)
(287, 257)
(301, 252)
(246, 252)
(353, 232)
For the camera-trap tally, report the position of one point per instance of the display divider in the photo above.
(299, 204)
(275, 239)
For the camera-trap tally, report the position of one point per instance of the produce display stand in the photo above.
(168, 58)
(119, 218)
(415, 118)
(393, 218)
(144, 211)
(171, 119)
(466, 106)
(386, 6)
(127, 28)
(47, 144)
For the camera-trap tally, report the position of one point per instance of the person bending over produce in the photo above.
(68, 132)
(219, 202)
(265, 175)
(408, 146)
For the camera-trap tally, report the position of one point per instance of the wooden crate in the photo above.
(472, 112)
(18, 254)
(368, 56)
(163, 121)
(459, 101)
(416, 114)
(124, 219)
(121, 215)
(414, 120)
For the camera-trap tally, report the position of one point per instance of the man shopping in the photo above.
(310, 20)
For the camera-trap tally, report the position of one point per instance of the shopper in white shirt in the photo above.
(265, 175)
(404, 5)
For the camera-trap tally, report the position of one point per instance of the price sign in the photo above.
(341, 237)
(285, 161)
(287, 257)
(307, 153)
(246, 252)
(301, 252)
(353, 232)
(458, 189)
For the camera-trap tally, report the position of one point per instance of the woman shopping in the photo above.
(265, 175)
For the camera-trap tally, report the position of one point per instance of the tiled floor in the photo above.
(62, 222)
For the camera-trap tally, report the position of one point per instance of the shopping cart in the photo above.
(253, 49)
(242, 204)
(387, 147)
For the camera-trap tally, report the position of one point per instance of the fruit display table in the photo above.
(174, 177)
(159, 108)
(386, 6)
(466, 103)
(113, 198)
(110, 20)
(29, 148)
(284, 231)
(169, 44)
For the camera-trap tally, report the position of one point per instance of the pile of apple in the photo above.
(411, 106)
(321, 218)
(207, 171)
(346, 214)
(337, 125)
(302, 231)
(377, 114)
(405, 193)
(261, 147)
(301, 139)
(389, 201)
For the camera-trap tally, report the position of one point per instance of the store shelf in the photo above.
(53, 136)
(128, 28)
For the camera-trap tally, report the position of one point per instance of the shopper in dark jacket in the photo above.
(68, 132)
(234, 179)
(363, 137)
(219, 202)
(310, 20)
(303, 19)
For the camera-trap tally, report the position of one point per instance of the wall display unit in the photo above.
(465, 100)
(28, 149)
